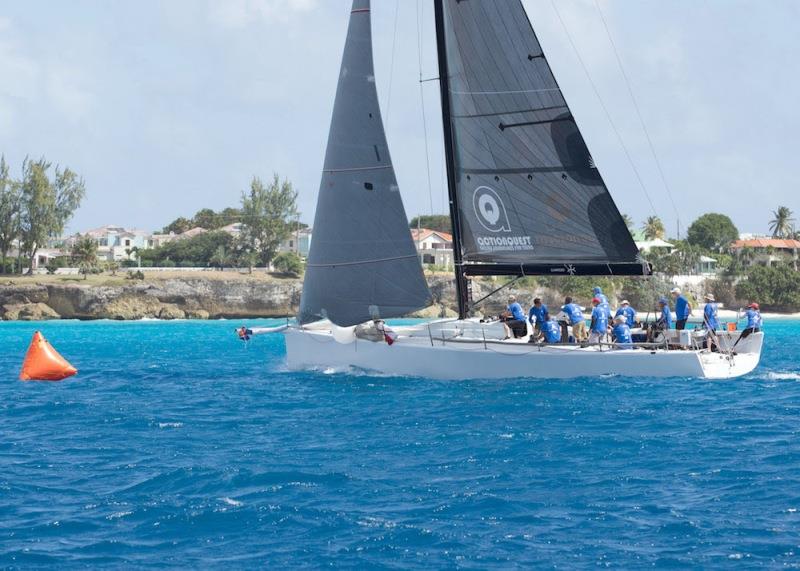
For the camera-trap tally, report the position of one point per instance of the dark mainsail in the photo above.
(362, 263)
(527, 196)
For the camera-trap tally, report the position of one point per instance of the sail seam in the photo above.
(352, 169)
(362, 262)
(515, 92)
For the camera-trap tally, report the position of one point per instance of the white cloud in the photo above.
(241, 13)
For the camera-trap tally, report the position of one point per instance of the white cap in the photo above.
(710, 296)
(620, 318)
(625, 302)
(676, 290)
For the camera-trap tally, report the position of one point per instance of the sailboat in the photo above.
(526, 199)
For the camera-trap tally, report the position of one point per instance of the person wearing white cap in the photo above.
(626, 311)
(622, 333)
(710, 320)
(683, 308)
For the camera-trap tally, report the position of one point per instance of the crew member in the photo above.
(754, 322)
(683, 308)
(622, 333)
(598, 293)
(710, 320)
(599, 327)
(664, 321)
(576, 319)
(514, 319)
(551, 331)
(628, 312)
(537, 315)
(244, 333)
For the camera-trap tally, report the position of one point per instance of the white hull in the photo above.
(419, 353)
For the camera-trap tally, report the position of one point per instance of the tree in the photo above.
(782, 225)
(221, 257)
(45, 205)
(653, 228)
(196, 251)
(9, 213)
(206, 218)
(178, 226)
(267, 212)
(713, 232)
(438, 222)
(776, 288)
(84, 254)
(288, 263)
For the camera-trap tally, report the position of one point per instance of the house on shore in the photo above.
(766, 251)
(434, 248)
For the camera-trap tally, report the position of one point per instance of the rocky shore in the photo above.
(212, 296)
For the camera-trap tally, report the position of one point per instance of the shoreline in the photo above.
(233, 296)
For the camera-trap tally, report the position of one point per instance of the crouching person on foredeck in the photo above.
(551, 330)
(622, 333)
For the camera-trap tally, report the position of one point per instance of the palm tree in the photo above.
(629, 222)
(653, 228)
(782, 225)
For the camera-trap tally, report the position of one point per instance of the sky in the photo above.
(167, 107)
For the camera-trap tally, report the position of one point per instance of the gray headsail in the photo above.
(362, 263)
(529, 197)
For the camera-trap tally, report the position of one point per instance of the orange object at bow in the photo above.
(43, 363)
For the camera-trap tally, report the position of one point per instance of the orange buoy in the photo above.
(43, 363)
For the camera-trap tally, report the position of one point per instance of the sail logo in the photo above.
(490, 210)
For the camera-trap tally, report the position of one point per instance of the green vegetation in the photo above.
(289, 264)
(35, 208)
(714, 232)
(653, 228)
(205, 218)
(438, 222)
(84, 254)
(776, 288)
(267, 211)
(782, 225)
(199, 251)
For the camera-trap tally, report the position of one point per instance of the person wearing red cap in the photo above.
(754, 322)
(599, 327)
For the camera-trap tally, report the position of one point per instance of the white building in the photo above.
(434, 247)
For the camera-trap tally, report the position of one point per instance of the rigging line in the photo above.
(603, 106)
(422, 105)
(391, 67)
(638, 112)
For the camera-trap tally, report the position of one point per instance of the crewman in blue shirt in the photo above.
(576, 319)
(622, 333)
(628, 312)
(599, 327)
(754, 322)
(710, 320)
(598, 293)
(683, 308)
(537, 315)
(664, 321)
(551, 331)
(514, 319)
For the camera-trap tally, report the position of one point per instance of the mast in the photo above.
(462, 290)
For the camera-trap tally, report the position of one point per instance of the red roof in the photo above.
(423, 233)
(777, 243)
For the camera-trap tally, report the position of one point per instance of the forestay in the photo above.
(362, 263)
(530, 198)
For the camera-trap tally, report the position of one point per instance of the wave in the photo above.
(783, 376)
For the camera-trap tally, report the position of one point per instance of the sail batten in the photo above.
(530, 198)
(362, 263)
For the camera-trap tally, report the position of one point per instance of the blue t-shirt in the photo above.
(629, 313)
(516, 311)
(551, 331)
(666, 317)
(681, 308)
(573, 310)
(538, 314)
(622, 334)
(599, 320)
(753, 318)
(710, 316)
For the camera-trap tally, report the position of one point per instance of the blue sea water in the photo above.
(176, 446)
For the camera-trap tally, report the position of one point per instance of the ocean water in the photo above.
(178, 446)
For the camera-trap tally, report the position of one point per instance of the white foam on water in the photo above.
(170, 424)
(232, 502)
(783, 376)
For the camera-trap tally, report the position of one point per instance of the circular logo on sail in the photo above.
(490, 210)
